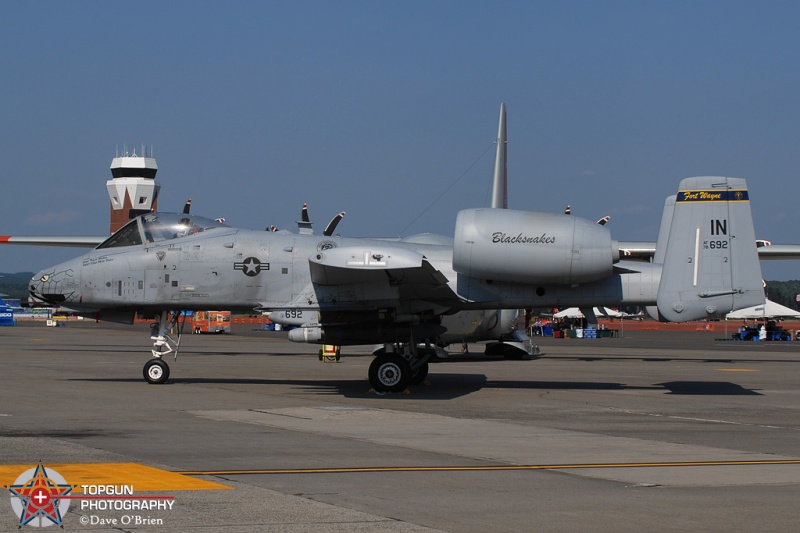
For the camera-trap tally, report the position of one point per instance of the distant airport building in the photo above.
(132, 189)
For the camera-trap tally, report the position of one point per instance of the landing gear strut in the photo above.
(156, 370)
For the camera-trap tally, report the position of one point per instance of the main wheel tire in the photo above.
(389, 373)
(419, 375)
(156, 371)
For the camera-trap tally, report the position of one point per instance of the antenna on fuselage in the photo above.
(331, 227)
(304, 224)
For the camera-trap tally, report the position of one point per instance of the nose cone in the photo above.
(54, 286)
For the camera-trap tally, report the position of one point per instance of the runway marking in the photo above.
(695, 419)
(361, 470)
(737, 370)
(143, 478)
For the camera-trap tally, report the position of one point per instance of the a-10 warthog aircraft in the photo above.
(401, 293)
(414, 295)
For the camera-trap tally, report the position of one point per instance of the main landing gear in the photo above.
(156, 370)
(397, 366)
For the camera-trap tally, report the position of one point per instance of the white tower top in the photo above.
(133, 189)
(134, 167)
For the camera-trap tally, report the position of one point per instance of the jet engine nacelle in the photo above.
(527, 247)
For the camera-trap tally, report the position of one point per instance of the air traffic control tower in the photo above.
(132, 189)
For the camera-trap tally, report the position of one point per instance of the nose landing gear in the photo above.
(156, 370)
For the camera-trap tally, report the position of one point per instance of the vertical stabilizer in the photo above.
(710, 259)
(500, 181)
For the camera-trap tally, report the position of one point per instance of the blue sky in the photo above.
(377, 108)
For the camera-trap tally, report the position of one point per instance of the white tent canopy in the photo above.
(768, 309)
(574, 312)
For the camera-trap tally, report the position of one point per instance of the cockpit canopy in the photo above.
(156, 227)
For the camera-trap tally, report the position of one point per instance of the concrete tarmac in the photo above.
(657, 431)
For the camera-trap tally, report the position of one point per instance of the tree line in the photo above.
(15, 285)
(784, 292)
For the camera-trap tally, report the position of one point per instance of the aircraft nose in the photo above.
(34, 289)
(36, 282)
(44, 287)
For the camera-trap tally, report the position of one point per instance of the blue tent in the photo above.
(6, 315)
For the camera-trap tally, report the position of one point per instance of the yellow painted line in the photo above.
(737, 369)
(143, 478)
(359, 470)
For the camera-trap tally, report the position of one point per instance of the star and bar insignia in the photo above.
(251, 266)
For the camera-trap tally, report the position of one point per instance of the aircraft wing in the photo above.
(408, 271)
(354, 278)
(73, 242)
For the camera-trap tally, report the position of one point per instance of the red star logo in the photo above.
(40, 497)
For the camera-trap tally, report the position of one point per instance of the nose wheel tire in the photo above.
(156, 371)
(389, 373)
